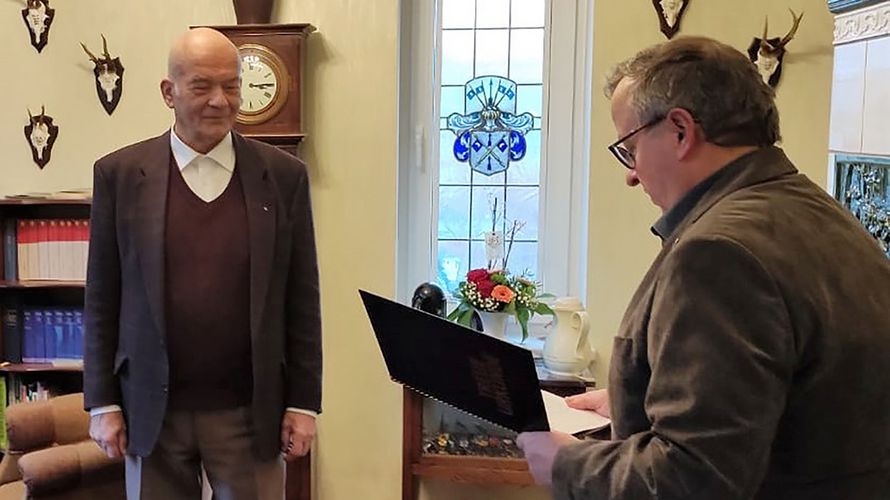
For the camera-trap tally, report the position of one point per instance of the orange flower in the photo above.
(503, 294)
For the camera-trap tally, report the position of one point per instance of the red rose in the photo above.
(477, 275)
(485, 287)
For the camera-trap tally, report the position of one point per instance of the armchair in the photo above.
(51, 455)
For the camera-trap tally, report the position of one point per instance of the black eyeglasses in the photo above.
(622, 153)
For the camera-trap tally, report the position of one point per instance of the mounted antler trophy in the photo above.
(38, 17)
(41, 135)
(767, 53)
(670, 12)
(109, 73)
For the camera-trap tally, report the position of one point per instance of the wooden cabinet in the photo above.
(417, 464)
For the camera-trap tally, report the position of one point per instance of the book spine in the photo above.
(29, 345)
(43, 250)
(49, 335)
(54, 244)
(33, 249)
(78, 334)
(39, 336)
(21, 239)
(10, 251)
(12, 333)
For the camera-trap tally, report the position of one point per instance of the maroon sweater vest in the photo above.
(207, 288)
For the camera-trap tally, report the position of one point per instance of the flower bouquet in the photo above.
(498, 291)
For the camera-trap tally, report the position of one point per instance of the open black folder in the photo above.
(481, 375)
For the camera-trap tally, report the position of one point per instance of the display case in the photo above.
(443, 443)
(862, 185)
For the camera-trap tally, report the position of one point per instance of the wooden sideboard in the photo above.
(466, 468)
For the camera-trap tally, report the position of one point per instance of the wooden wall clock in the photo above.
(271, 80)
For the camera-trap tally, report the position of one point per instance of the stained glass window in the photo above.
(492, 64)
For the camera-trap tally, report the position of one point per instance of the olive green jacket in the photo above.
(754, 359)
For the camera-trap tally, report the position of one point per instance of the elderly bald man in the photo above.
(203, 332)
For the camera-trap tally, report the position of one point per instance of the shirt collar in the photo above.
(665, 226)
(223, 153)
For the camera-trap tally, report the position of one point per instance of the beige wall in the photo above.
(61, 78)
(351, 94)
(351, 114)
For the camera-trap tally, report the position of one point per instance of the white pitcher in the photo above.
(567, 350)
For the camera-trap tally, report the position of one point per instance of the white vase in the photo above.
(494, 324)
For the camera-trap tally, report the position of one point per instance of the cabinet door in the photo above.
(875, 137)
(847, 89)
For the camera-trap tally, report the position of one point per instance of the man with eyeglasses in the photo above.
(754, 359)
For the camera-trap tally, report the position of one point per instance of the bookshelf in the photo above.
(41, 284)
(42, 301)
(40, 367)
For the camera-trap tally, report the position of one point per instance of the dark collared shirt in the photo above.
(665, 226)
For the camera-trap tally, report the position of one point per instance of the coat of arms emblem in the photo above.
(490, 134)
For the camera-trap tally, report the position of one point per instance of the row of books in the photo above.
(43, 335)
(18, 390)
(45, 249)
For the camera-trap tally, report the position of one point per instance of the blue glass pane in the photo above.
(454, 216)
(539, 123)
(527, 55)
(527, 14)
(493, 14)
(457, 57)
(522, 205)
(529, 98)
(489, 180)
(451, 171)
(452, 101)
(524, 257)
(443, 123)
(451, 263)
(492, 52)
(481, 209)
(528, 169)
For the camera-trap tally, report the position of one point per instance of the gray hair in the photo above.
(714, 82)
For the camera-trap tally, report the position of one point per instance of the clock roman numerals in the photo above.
(265, 84)
(259, 84)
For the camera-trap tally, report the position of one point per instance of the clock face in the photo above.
(259, 84)
(264, 84)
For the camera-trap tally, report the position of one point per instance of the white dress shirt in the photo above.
(207, 176)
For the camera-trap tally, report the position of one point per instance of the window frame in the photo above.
(562, 233)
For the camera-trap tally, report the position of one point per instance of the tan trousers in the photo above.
(219, 442)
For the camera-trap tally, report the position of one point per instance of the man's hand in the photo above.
(597, 401)
(540, 449)
(297, 432)
(109, 431)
